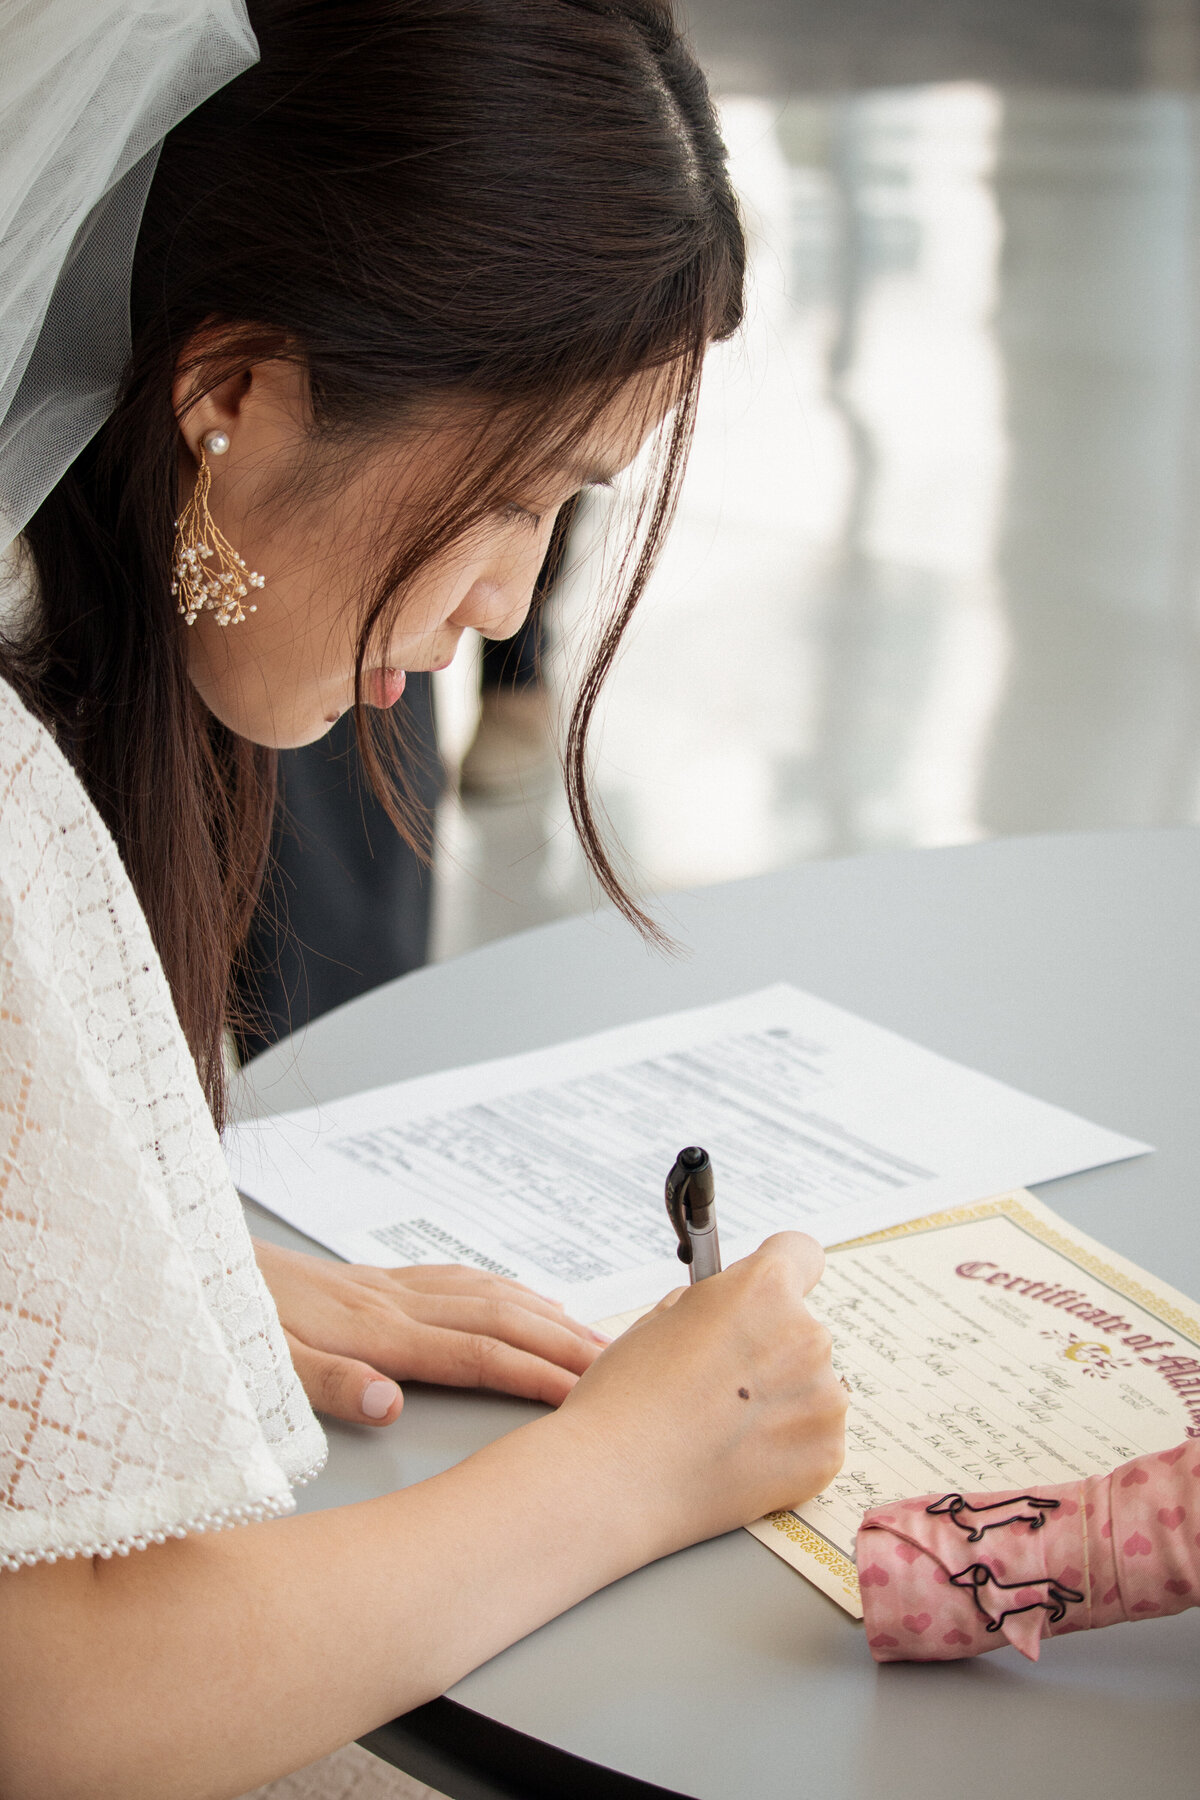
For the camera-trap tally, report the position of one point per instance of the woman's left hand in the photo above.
(355, 1332)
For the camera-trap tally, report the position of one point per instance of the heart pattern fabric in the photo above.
(1110, 1548)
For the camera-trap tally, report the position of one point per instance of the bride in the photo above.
(408, 275)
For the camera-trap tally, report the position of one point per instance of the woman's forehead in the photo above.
(614, 438)
(589, 453)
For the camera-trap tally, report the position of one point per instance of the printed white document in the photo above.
(549, 1166)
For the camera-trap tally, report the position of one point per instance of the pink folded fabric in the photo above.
(950, 1575)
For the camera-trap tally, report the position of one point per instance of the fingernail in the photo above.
(598, 1336)
(378, 1399)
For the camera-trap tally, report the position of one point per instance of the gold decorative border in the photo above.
(955, 1215)
(814, 1545)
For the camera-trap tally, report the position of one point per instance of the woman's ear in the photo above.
(217, 410)
(222, 369)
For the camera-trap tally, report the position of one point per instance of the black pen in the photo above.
(693, 1212)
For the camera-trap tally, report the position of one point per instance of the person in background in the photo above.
(346, 899)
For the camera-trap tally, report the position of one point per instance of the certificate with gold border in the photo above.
(993, 1346)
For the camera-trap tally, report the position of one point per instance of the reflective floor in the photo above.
(936, 570)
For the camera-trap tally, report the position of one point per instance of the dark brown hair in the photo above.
(514, 205)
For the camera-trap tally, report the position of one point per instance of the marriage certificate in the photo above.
(993, 1346)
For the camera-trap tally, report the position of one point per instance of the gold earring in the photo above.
(223, 587)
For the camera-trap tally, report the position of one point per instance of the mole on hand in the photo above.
(743, 1393)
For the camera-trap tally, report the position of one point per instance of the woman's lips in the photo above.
(383, 687)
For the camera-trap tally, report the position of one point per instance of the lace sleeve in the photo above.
(123, 1418)
(145, 1384)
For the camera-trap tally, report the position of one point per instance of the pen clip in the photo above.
(689, 1191)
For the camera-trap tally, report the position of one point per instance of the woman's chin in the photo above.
(311, 732)
(272, 731)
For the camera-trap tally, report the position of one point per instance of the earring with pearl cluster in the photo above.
(208, 575)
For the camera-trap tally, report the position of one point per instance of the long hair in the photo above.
(514, 204)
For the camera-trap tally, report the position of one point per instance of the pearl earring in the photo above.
(223, 587)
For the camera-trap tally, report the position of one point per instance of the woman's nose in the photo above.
(496, 609)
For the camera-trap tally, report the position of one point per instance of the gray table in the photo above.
(1069, 966)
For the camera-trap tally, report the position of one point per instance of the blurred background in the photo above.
(936, 571)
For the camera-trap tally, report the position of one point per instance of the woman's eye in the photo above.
(521, 515)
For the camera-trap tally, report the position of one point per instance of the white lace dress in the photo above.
(145, 1385)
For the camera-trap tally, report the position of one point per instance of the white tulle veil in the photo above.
(88, 91)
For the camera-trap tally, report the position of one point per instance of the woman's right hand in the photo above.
(721, 1404)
